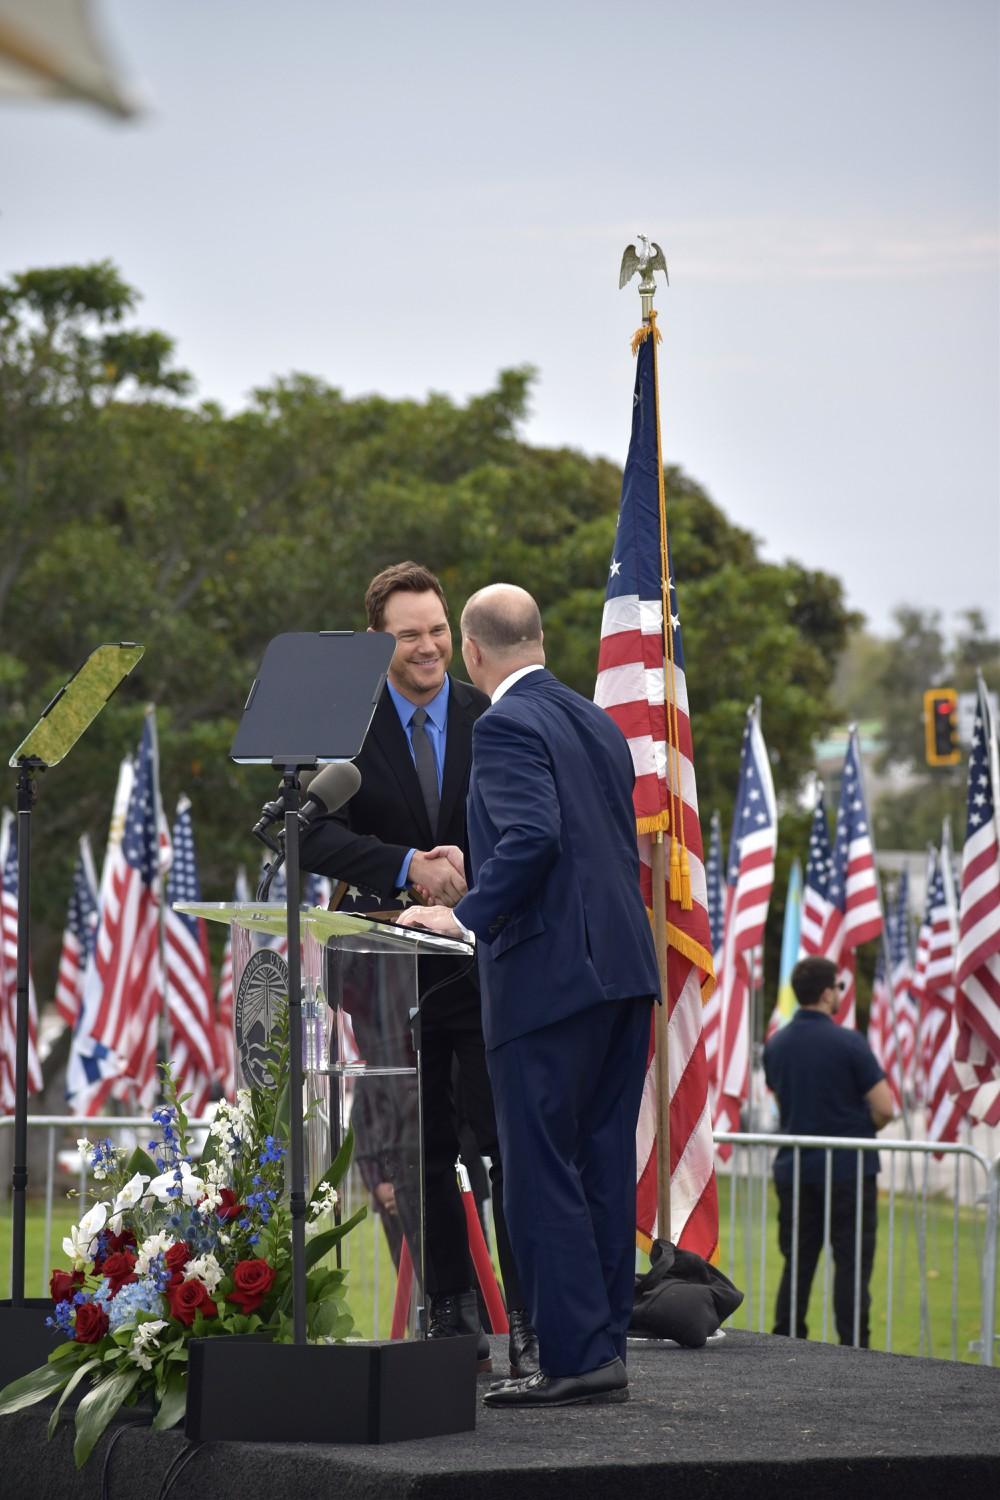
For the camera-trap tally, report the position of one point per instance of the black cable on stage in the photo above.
(130, 1421)
(177, 1466)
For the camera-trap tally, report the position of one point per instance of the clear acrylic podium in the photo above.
(361, 1039)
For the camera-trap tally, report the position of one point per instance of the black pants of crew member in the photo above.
(843, 1199)
(456, 1034)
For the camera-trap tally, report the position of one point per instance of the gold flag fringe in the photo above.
(642, 334)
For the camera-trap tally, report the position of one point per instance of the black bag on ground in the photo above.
(681, 1297)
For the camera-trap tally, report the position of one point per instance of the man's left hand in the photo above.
(437, 918)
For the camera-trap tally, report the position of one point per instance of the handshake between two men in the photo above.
(437, 876)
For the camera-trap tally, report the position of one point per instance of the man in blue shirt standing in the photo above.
(827, 1082)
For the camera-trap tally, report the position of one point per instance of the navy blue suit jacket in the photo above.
(554, 895)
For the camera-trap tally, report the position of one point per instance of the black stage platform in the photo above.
(751, 1416)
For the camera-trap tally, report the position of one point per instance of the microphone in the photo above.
(329, 789)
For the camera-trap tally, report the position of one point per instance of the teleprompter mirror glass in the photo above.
(77, 704)
(313, 697)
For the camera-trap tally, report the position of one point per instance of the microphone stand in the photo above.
(297, 1195)
(26, 791)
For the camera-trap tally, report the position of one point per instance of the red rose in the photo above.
(188, 1298)
(62, 1284)
(175, 1260)
(228, 1208)
(91, 1323)
(252, 1280)
(119, 1268)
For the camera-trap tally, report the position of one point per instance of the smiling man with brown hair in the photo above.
(402, 835)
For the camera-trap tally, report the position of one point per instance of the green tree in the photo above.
(128, 514)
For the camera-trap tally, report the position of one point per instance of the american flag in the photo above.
(937, 1004)
(977, 972)
(817, 908)
(716, 890)
(79, 936)
(880, 1035)
(91, 1064)
(225, 1040)
(118, 1029)
(919, 987)
(904, 1007)
(856, 915)
(642, 685)
(190, 1008)
(749, 881)
(8, 976)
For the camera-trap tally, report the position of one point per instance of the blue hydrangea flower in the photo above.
(141, 1295)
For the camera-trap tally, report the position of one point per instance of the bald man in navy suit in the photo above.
(568, 973)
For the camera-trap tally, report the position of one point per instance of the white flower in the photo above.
(213, 1197)
(130, 1195)
(156, 1244)
(205, 1269)
(191, 1187)
(81, 1242)
(146, 1337)
(84, 1146)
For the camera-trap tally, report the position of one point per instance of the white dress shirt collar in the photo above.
(509, 682)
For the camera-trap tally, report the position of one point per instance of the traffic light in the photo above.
(941, 727)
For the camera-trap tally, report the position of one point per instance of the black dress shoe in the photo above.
(459, 1313)
(607, 1383)
(522, 1346)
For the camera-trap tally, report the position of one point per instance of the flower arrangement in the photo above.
(175, 1250)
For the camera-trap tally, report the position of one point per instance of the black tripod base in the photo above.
(25, 1342)
(241, 1389)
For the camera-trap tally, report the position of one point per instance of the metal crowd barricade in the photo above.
(757, 1151)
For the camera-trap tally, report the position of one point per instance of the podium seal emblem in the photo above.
(263, 989)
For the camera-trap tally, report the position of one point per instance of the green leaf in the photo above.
(322, 1319)
(319, 1246)
(337, 1169)
(140, 1162)
(343, 1326)
(98, 1407)
(66, 1351)
(34, 1386)
(322, 1244)
(172, 1402)
(71, 1386)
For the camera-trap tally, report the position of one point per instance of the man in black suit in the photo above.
(393, 840)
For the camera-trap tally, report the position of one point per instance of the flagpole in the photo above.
(649, 259)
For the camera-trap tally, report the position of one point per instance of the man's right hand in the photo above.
(436, 878)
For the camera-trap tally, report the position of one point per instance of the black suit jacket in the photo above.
(366, 841)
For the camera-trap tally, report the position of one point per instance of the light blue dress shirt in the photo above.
(436, 728)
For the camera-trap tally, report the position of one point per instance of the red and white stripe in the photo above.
(8, 987)
(977, 972)
(631, 686)
(747, 902)
(943, 1110)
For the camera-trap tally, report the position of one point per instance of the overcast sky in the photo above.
(402, 197)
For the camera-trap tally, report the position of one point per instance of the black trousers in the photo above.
(452, 1047)
(843, 1202)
